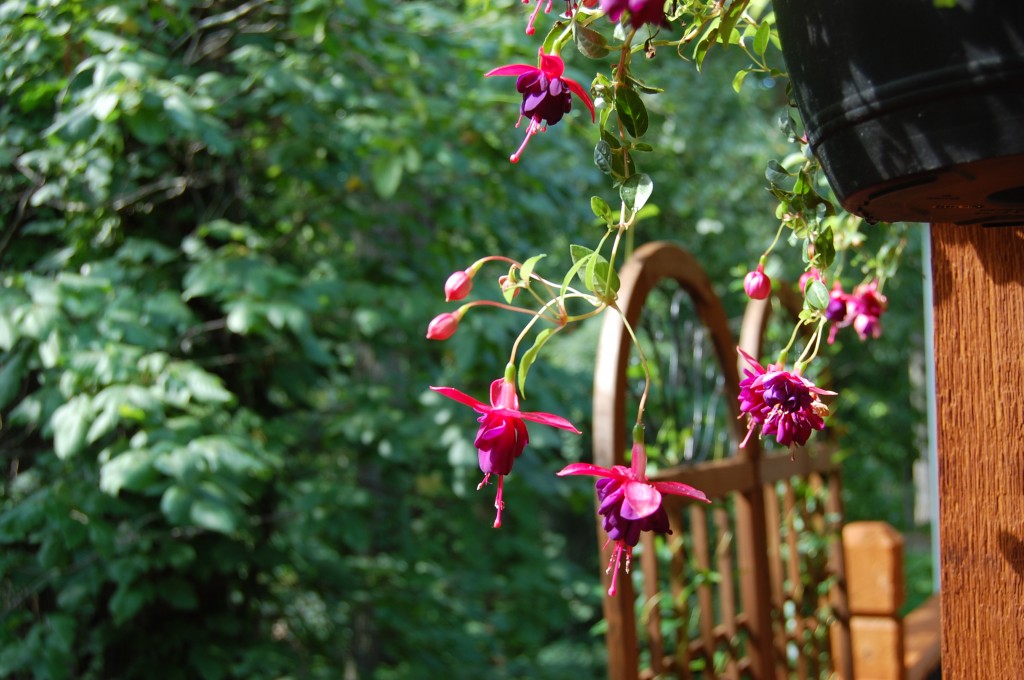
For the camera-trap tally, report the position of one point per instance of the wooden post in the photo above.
(979, 367)
(875, 594)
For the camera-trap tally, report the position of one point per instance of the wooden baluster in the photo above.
(875, 593)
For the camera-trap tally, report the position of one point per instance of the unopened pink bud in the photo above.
(757, 284)
(458, 285)
(443, 326)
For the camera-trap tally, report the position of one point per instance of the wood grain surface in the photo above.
(979, 360)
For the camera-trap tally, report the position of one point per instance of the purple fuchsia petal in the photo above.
(642, 500)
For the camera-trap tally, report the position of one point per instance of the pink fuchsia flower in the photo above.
(547, 96)
(757, 284)
(862, 309)
(443, 326)
(868, 305)
(640, 11)
(502, 435)
(838, 312)
(458, 285)
(630, 504)
(784, 404)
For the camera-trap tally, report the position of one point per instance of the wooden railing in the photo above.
(758, 583)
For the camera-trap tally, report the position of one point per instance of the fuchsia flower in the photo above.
(868, 306)
(757, 284)
(502, 435)
(630, 504)
(862, 309)
(547, 96)
(640, 11)
(784, 404)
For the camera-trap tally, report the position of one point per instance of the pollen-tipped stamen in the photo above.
(499, 505)
(615, 562)
(533, 128)
(533, 17)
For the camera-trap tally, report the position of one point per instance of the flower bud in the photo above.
(443, 326)
(757, 284)
(506, 283)
(458, 285)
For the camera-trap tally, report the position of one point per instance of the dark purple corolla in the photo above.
(640, 11)
(630, 504)
(784, 404)
(547, 96)
(502, 435)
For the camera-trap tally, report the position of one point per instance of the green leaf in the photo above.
(213, 514)
(10, 377)
(527, 269)
(600, 278)
(764, 32)
(778, 175)
(632, 112)
(603, 156)
(70, 424)
(825, 248)
(737, 80)
(132, 470)
(206, 386)
(601, 209)
(175, 504)
(581, 255)
(128, 599)
(531, 355)
(387, 174)
(589, 42)
(703, 46)
(635, 191)
(816, 296)
(552, 37)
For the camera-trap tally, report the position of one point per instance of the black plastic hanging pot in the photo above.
(916, 112)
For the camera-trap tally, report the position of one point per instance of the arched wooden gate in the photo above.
(752, 585)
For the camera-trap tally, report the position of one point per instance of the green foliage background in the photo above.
(225, 228)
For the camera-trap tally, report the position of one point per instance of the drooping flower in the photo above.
(784, 404)
(547, 96)
(630, 504)
(502, 435)
(640, 11)
(757, 284)
(862, 309)
(868, 305)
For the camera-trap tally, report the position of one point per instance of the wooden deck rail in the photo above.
(755, 585)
